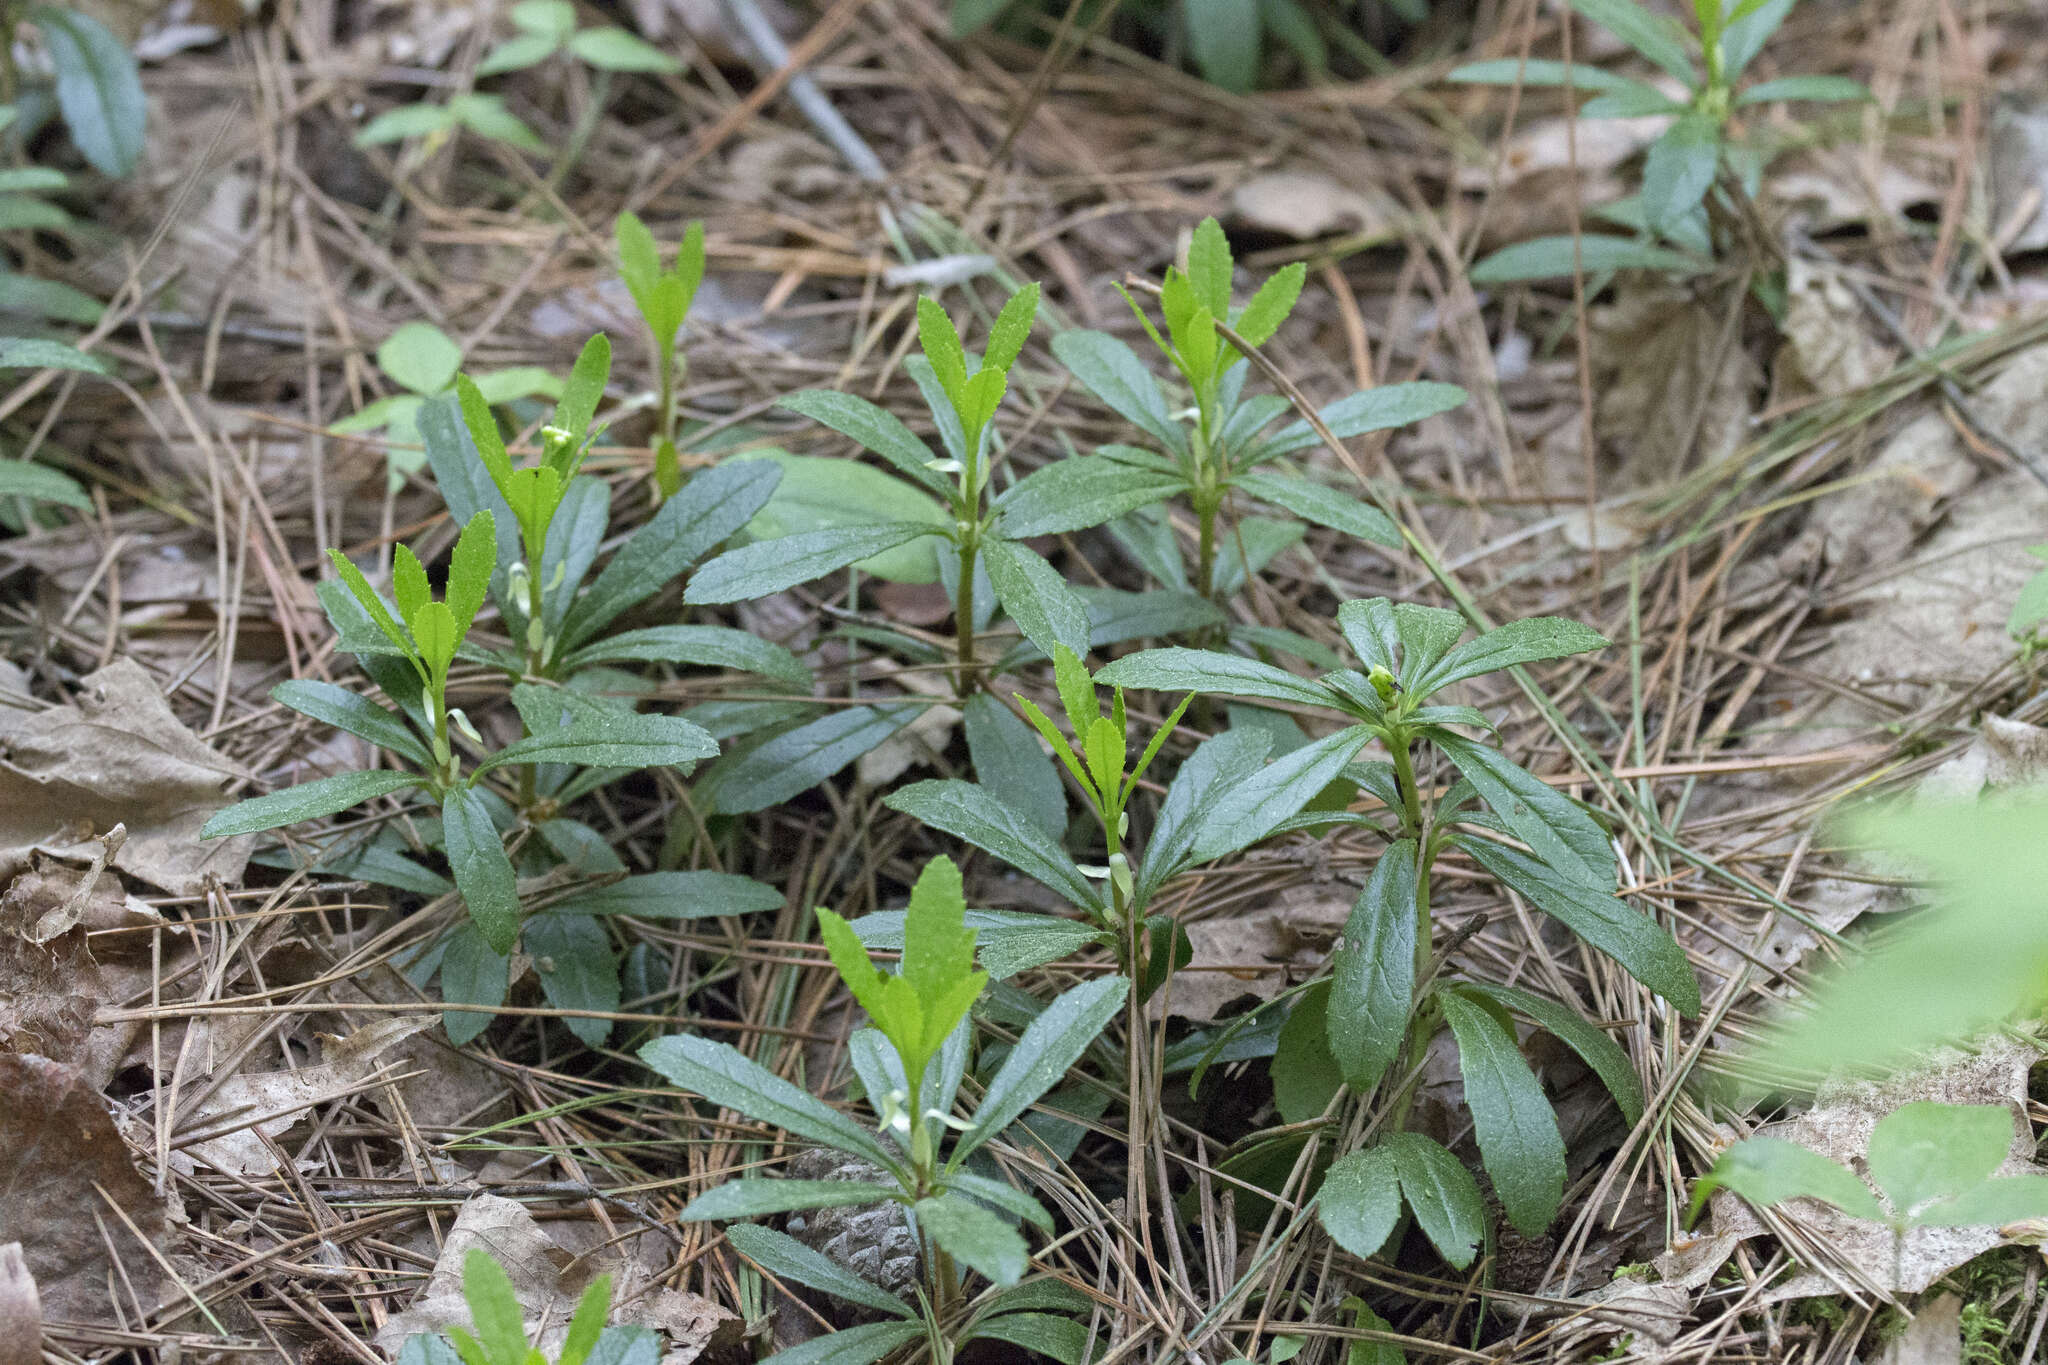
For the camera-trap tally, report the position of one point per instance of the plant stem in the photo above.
(963, 610)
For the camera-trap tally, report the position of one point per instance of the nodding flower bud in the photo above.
(461, 722)
(1120, 874)
(1383, 683)
(520, 584)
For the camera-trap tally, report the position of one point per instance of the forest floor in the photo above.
(1802, 534)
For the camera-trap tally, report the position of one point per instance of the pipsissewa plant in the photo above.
(949, 501)
(1383, 1002)
(1215, 448)
(497, 1330)
(1702, 145)
(911, 1064)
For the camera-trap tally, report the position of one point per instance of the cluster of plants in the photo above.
(579, 622)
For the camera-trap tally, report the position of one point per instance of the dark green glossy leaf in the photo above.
(1007, 758)
(1511, 1116)
(1049, 1045)
(578, 970)
(799, 759)
(98, 88)
(702, 646)
(343, 709)
(482, 871)
(974, 1237)
(1442, 1194)
(1372, 987)
(675, 895)
(770, 566)
(1360, 1201)
(1601, 1054)
(728, 1078)
(788, 1259)
(307, 801)
(983, 819)
(752, 1197)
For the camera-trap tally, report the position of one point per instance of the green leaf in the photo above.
(730, 1079)
(1271, 305)
(978, 816)
(1535, 72)
(614, 49)
(343, 709)
(487, 116)
(23, 212)
(1007, 941)
(1113, 373)
(469, 569)
(421, 357)
(586, 1324)
(1012, 327)
(97, 88)
(40, 483)
(1079, 492)
(577, 407)
(1518, 642)
(1748, 28)
(715, 503)
(1201, 670)
(1217, 765)
(482, 872)
(1655, 37)
(1306, 1077)
(1372, 984)
(874, 428)
(517, 53)
(1323, 505)
(938, 950)
(752, 1198)
(1680, 167)
(974, 1237)
(1511, 1117)
(1548, 821)
(800, 759)
(771, 566)
(2008, 1199)
(675, 895)
(1007, 758)
(1251, 810)
(472, 974)
(940, 342)
(1601, 1054)
(51, 299)
(1632, 99)
(1210, 265)
(566, 727)
(493, 1306)
(1055, 1338)
(1768, 1171)
(1000, 1196)
(640, 268)
(35, 353)
(1224, 37)
(1820, 89)
(1036, 597)
(1553, 258)
(702, 646)
(1442, 1194)
(1640, 944)
(788, 1259)
(970, 16)
(1923, 1152)
(549, 18)
(408, 120)
(1360, 1201)
(578, 970)
(861, 1345)
(307, 801)
(1050, 1044)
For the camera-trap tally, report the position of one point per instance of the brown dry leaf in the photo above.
(1675, 382)
(279, 1099)
(1839, 1127)
(117, 755)
(64, 1170)
(1827, 350)
(21, 1310)
(1303, 204)
(1827, 189)
(2019, 175)
(1256, 955)
(51, 992)
(549, 1279)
